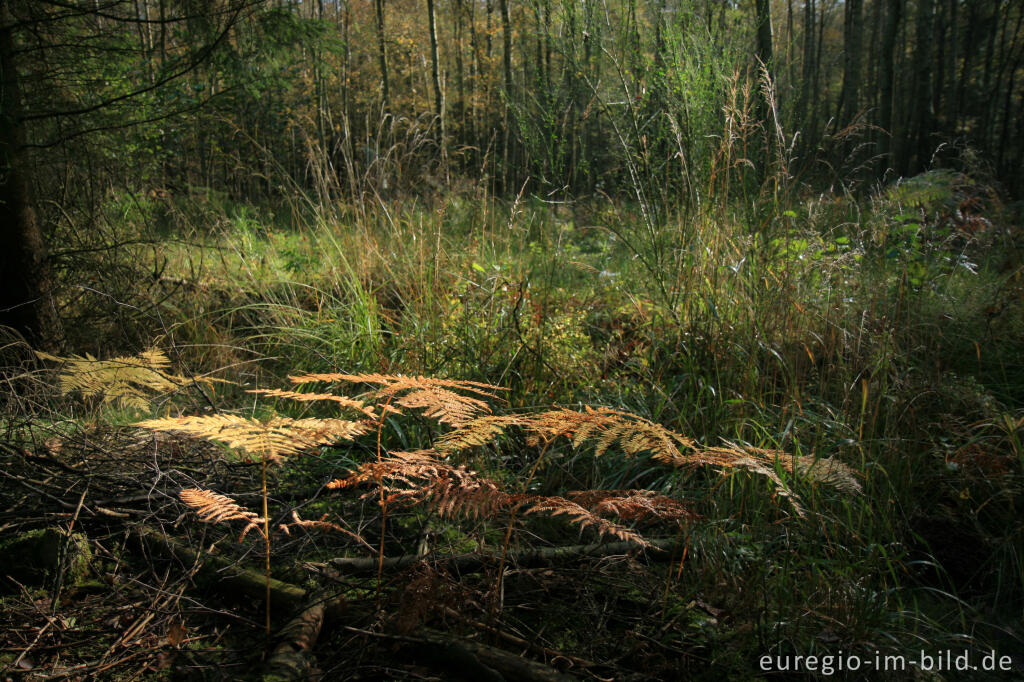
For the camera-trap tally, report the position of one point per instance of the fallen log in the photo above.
(661, 550)
(225, 574)
(465, 658)
(293, 656)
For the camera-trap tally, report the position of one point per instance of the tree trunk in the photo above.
(434, 69)
(922, 85)
(852, 32)
(887, 78)
(26, 302)
(765, 57)
(506, 41)
(382, 55)
(805, 105)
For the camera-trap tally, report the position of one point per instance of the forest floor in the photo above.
(881, 336)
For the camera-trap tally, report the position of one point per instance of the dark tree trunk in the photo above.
(506, 42)
(26, 302)
(852, 31)
(804, 116)
(922, 86)
(887, 79)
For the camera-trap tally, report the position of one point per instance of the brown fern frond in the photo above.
(827, 470)
(343, 401)
(127, 380)
(447, 489)
(322, 524)
(272, 439)
(437, 398)
(476, 432)
(212, 507)
(584, 518)
(634, 505)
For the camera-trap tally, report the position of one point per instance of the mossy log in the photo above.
(468, 563)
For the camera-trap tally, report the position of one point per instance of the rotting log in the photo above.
(225, 574)
(468, 658)
(293, 657)
(660, 550)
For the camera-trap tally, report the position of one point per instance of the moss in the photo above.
(34, 558)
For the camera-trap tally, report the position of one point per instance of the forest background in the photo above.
(774, 227)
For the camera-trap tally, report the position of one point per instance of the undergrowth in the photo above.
(877, 343)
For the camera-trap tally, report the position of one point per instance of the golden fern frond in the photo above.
(634, 505)
(127, 380)
(215, 508)
(272, 439)
(420, 463)
(352, 403)
(476, 432)
(393, 383)
(582, 517)
(437, 398)
(606, 426)
(447, 407)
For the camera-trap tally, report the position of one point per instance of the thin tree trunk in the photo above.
(434, 69)
(506, 42)
(382, 55)
(809, 68)
(460, 67)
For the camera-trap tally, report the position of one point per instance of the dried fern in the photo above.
(446, 489)
(321, 524)
(582, 517)
(127, 380)
(357, 405)
(634, 505)
(272, 440)
(437, 398)
(215, 508)
(450, 490)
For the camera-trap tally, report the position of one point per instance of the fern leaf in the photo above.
(127, 380)
(273, 439)
(476, 432)
(212, 507)
(634, 505)
(582, 517)
(438, 398)
(357, 405)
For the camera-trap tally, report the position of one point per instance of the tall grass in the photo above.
(878, 332)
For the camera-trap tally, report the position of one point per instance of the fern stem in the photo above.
(266, 540)
(511, 525)
(383, 498)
